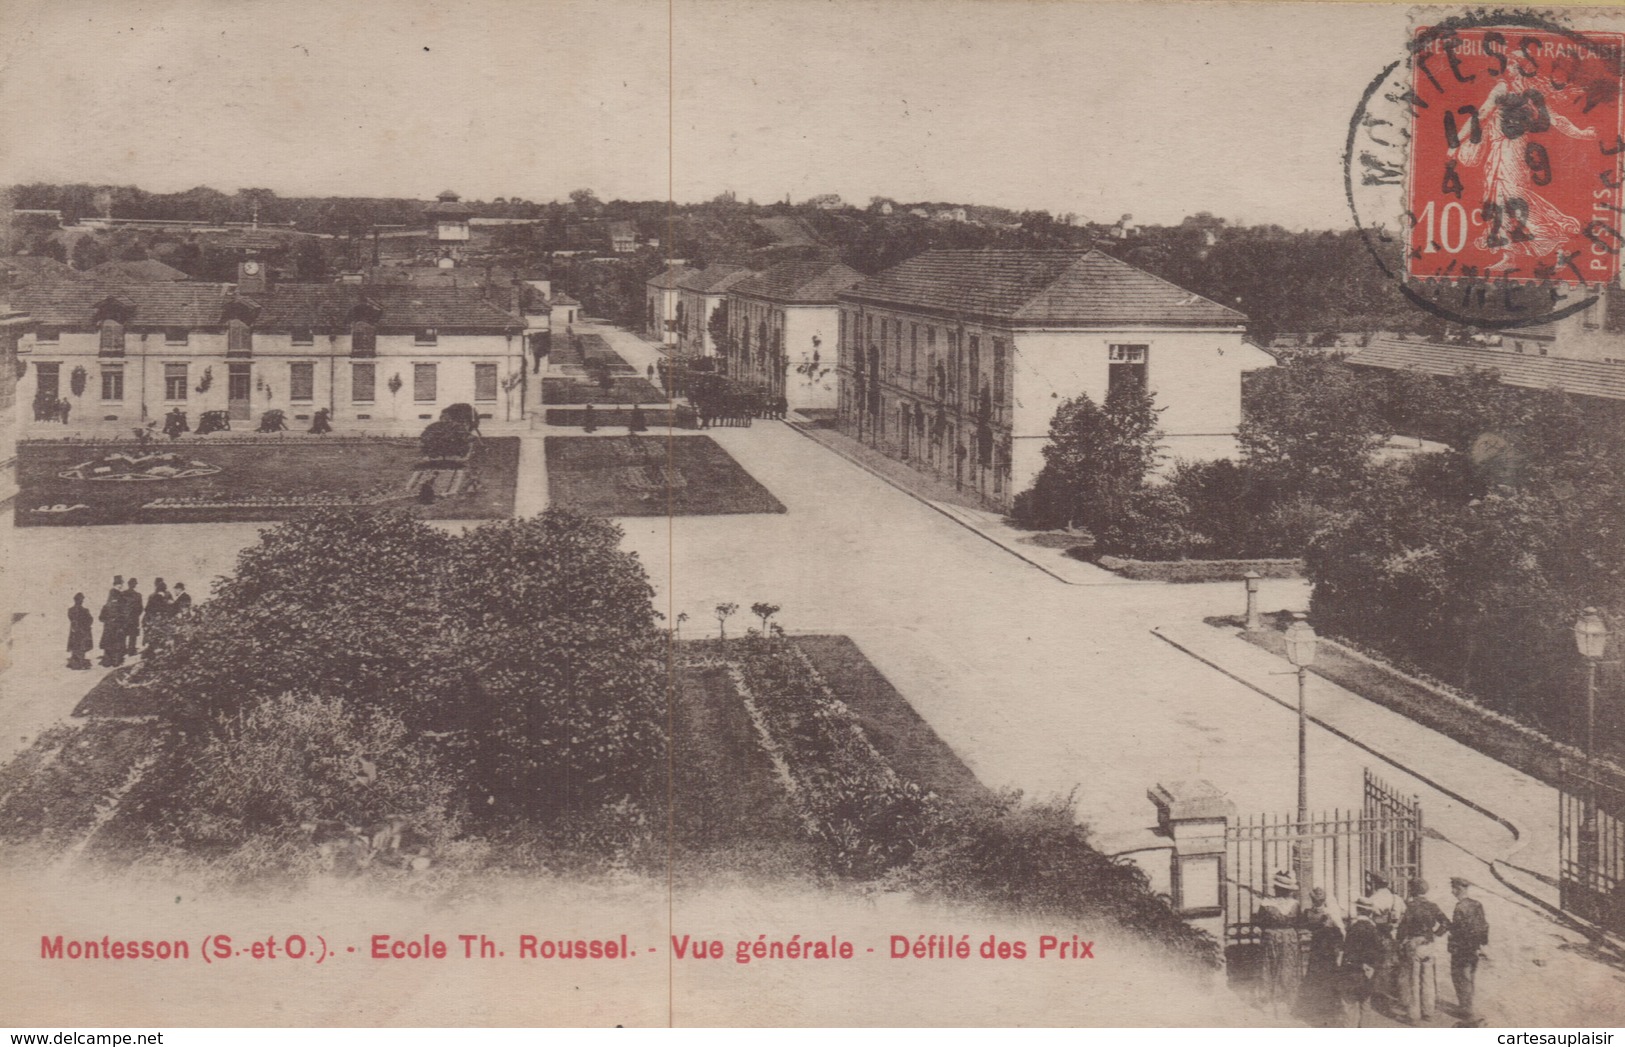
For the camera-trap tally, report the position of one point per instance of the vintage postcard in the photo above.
(855, 512)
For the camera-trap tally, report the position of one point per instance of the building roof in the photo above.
(1579, 377)
(619, 228)
(148, 271)
(448, 205)
(560, 298)
(282, 306)
(670, 278)
(801, 283)
(714, 278)
(1060, 287)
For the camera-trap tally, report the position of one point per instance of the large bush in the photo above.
(1097, 457)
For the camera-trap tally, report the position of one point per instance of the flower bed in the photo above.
(1188, 571)
(268, 478)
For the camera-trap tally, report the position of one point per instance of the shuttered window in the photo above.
(363, 382)
(302, 381)
(485, 381)
(424, 383)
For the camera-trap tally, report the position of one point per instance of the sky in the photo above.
(1153, 110)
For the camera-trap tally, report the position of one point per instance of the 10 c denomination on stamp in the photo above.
(1516, 146)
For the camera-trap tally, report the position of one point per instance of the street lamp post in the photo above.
(1591, 637)
(1300, 651)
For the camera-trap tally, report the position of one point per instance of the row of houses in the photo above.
(128, 353)
(955, 360)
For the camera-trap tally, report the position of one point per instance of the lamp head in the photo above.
(1591, 634)
(1300, 642)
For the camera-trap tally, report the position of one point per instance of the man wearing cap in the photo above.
(1469, 932)
(1420, 927)
(1362, 952)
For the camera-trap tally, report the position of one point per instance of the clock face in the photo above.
(251, 268)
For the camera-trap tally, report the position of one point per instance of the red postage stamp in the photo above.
(1516, 150)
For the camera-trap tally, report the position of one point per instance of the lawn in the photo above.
(250, 481)
(622, 390)
(651, 475)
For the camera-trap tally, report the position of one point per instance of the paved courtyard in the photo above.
(1038, 685)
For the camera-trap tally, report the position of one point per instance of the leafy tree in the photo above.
(88, 252)
(764, 611)
(723, 612)
(1096, 459)
(1311, 424)
(340, 603)
(556, 622)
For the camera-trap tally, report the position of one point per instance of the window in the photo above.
(1126, 364)
(424, 383)
(841, 341)
(175, 335)
(897, 347)
(302, 380)
(363, 340)
(1517, 347)
(112, 383)
(975, 364)
(998, 374)
(426, 336)
(47, 335)
(239, 339)
(174, 381)
(238, 378)
(47, 381)
(363, 382)
(913, 350)
(304, 336)
(485, 381)
(112, 341)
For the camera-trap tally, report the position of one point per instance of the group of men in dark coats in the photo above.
(123, 616)
(1384, 948)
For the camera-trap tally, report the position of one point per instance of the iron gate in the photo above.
(1339, 851)
(1591, 834)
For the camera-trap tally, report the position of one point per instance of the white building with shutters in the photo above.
(375, 356)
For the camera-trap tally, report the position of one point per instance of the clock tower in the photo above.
(251, 278)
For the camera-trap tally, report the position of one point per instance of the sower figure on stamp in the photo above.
(1469, 933)
(80, 626)
(1419, 930)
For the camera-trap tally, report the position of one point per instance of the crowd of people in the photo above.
(49, 409)
(1334, 968)
(125, 616)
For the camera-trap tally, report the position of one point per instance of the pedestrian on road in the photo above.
(589, 422)
(1387, 909)
(1362, 952)
(112, 618)
(638, 423)
(160, 606)
(1419, 930)
(132, 603)
(80, 626)
(1278, 924)
(1320, 1002)
(183, 601)
(62, 409)
(1469, 933)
